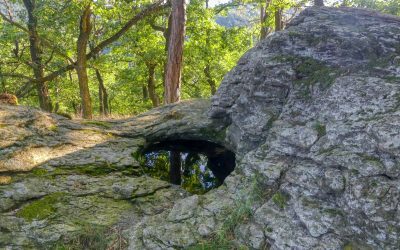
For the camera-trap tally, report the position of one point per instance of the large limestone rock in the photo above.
(312, 112)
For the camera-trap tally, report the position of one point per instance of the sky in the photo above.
(216, 2)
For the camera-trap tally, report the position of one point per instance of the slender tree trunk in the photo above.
(210, 80)
(36, 56)
(81, 62)
(175, 168)
(151, 85)
(173, 72)
(145, 92)
(263, 18)
(278, 20)
(3, 83)
(319, 3)
(103, 96)
(175, 52)
(167, 35)
(207, 69)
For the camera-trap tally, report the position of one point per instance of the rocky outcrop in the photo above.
(312, 112)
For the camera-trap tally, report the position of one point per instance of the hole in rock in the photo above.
(198, 166)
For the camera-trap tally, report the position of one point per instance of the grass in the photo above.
(280, 200)
(53, 128)
(238, 214)
(93, 237)
(320, 128)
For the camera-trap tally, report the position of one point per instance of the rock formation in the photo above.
(312, 113)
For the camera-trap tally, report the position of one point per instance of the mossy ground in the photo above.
(42, 208)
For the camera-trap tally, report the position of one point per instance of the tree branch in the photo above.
(155, 7)
(44, 41)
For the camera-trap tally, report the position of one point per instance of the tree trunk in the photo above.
(263, 18)
(319, 3)
(3, 83)
(210, 80)
(103, 96)
(145, 92)
(173, 72)
(175, 168)
(151, 85)
(175, 52)
(207, 69)
(278, 20)
(81, 62)
(36, 56)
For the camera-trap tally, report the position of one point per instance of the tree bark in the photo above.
(36, 57)
(175, 52)
(173, 72)
(3, 83)
(145, 92)
(207, 69)
(103, 96)
(319, 3)
(263, 18)
(151, 85)
(278, 20)
(81, 62)
(210, 80)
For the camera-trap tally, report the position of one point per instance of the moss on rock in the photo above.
(42, 208)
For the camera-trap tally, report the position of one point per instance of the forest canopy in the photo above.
(62, 56)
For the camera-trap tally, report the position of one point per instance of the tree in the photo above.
(36, 56)
(175, 52)
(85, 28)
(278, 19)
(264, 13)
(173, 73)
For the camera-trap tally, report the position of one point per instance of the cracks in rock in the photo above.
(22, 203)
(150, 193)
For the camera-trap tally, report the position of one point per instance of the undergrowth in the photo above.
(240, 213)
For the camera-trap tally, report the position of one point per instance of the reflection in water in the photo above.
(201, 166)
(196, 176)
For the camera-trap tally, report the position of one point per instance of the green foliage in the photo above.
(385, 6)
(42, 208)
(321, 129)
(280, 199)
(124, 65)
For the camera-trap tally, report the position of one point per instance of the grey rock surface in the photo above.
(312, 113)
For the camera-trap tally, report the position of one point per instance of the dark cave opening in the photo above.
(198, 166)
